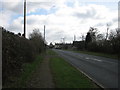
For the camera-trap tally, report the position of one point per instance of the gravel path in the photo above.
(42, 77)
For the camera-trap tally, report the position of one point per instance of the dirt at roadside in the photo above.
(42, 77)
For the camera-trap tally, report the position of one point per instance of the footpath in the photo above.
(42, 76)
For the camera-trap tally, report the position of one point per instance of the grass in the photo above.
(28, 69)
(50, 52)
(66, 76)
(112, 56)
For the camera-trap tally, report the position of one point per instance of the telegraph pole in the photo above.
(44, 40)
(24, 18)
(44, 33)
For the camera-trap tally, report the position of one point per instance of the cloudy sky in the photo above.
(63, 18)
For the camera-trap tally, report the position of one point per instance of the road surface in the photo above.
(103, 71)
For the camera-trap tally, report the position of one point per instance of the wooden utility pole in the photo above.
(44, 40)
(24, 18)
(44, 33)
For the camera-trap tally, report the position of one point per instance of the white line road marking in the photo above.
(94, 59)
(87, 58)
(98, 60)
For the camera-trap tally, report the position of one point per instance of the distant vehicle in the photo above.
(57, 47)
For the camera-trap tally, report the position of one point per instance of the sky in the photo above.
(62, 18)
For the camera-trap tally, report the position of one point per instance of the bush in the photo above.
(16, 50)
(37, 40)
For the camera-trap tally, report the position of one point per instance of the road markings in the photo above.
(98, 60)
(87, 58)
(94, 59)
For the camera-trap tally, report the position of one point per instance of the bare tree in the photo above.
(38, 40)
(93, 31)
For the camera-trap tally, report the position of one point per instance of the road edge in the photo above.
(94, 81)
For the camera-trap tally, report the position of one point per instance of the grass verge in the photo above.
(50, 52)
(66, 76)
(112, 56)
(28, 69)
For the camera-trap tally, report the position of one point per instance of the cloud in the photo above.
(17, 25)
(4, 19)
(16, 7)
(13, 7)
(66, 21)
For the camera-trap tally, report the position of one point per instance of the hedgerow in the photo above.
(17, 50)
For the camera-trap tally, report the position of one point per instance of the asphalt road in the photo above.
(104, 71)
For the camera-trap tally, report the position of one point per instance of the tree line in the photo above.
(97, 42)
(94, 41)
